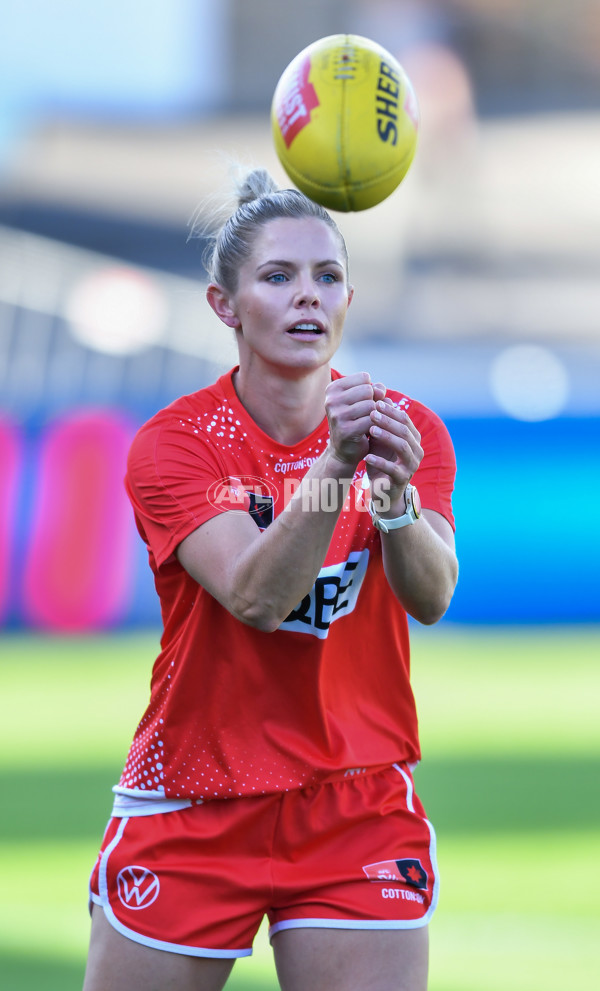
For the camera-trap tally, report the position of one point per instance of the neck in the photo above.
(287, 409)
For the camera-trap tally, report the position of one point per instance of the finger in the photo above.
(387, 406)
(350, 381)
(399, 445)
(360, 411)
(358, 401)
(387, 429)
(357, 416)
(379, 391)
(348, 395)
(398, 473)
(387, 416)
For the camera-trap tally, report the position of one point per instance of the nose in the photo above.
(307, 294)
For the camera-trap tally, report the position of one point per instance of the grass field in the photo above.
(510, 778)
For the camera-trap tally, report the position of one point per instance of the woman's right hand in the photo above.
(349, 402)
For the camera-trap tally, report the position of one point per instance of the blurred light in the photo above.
(118, 311)
(529, 382)
(78, 570)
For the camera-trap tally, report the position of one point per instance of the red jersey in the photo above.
(235, 711)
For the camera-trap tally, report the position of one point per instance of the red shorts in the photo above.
(355, 852)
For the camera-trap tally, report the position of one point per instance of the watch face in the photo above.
(416, 501)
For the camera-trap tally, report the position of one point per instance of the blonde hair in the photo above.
(259, 200)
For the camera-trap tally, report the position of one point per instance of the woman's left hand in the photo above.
(395, 453)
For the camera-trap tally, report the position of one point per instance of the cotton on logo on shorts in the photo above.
(407, 871)
(137, 887)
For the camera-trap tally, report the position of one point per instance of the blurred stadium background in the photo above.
(477, 292)
(477, 281)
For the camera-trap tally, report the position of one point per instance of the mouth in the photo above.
(307, 329)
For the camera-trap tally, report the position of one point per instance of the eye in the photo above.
(277, 277)
(329, 277)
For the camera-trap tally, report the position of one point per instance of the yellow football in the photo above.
(345, 121)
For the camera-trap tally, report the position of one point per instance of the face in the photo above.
(292, 296)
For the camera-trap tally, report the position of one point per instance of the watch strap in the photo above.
(407, 518)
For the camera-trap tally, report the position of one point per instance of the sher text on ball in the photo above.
(386, 101)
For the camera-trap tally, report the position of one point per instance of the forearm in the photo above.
(421, 566)
(274, 573)
(261, 578)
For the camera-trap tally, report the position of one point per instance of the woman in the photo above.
(271, 771)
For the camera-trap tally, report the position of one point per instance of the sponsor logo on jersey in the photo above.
(333, 595)
(137, 887)
(282, 467)
(407, 871)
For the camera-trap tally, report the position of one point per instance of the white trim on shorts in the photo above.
(375, 923)
(129, 802)
(156, 944)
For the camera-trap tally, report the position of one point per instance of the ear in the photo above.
(220, 301)
(350, 294)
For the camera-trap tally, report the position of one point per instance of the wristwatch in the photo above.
(412, 514)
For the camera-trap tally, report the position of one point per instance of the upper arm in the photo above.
(441, 526)
(210, 552)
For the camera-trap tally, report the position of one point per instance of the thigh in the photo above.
(116, 963)
(351, 960)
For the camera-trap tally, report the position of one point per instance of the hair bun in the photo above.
(254, 185)
(260, 200)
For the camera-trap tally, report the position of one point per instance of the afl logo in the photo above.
(245, 494)
(137, 887)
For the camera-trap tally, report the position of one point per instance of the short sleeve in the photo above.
(170, 472)
(437, 471)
